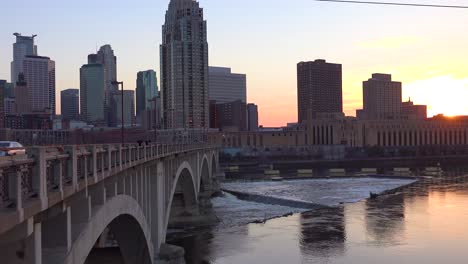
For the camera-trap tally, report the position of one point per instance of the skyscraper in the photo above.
(8, 89)
(22, 96)
(92, 88)
(128, 107)
(382, 98)
(39, 73)
(107, 58)
(319, 88)
(252, 117)
(146, 90)
(70, 105)
(232, 116)
(24, 46)
(184, 66)
(225, 86)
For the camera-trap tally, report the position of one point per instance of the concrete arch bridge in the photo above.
(56, 202)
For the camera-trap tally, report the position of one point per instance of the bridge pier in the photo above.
(56, 237)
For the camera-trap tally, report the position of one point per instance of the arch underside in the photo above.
(129, 226)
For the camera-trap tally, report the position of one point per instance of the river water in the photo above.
(426, 222)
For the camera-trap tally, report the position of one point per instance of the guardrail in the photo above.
(47, 175)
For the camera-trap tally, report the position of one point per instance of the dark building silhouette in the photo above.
(319, 88)
(231, 116)
(252, 117)
(70, 106)
(412, 111)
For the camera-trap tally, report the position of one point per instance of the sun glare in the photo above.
(443, 95)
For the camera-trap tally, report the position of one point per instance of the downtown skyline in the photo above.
(426, 55)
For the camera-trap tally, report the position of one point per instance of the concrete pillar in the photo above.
(39, 181)
(120, 157)
(84, 167)
(98, 194)
(81, 210)
(37, 243)
(16, 191)
(109, 158)
(159, 212)
(56, 232)
(103, 171)
(72, 165)
(58, 173)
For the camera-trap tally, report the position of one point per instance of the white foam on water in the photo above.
(328, 192)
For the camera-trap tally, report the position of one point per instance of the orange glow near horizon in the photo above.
(444, 94)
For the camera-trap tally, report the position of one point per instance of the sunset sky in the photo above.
(425, 48)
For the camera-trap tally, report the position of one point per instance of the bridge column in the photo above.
(93, 167)
(56, 233)
(16, 190)
(120, 158)
(37, 257)
(158, 208)
(39, 180)
(73, 166)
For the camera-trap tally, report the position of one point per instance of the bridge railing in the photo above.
(47, 175)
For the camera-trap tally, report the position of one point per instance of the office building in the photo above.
(39, 74)
(319, 88)
(382, 98)
(231, 116)
(252, 117)
(128, 108)
(9, 105)
(412, 111)
(151, 118)
(24, 46)
(70, 104)
(107, 58)
(22, 99)
(184, 66)
(146, 90)
(92, 99)
(8, 89)
(225, 86)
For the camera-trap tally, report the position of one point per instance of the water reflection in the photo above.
(423, 223)
(323, 232)
(384, 220)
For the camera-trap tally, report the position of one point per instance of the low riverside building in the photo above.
(352, 132)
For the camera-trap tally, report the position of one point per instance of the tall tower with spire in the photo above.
(24, 46)
(184, 67)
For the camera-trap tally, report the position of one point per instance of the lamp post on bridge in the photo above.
(122, 108)
(154, 112)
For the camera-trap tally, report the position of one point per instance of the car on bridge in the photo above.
(11, 148)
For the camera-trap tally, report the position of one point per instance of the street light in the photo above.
(122, 108)
(154, 101)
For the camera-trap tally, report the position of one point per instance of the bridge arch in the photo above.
(205, 174)
(184, 195)
(127, 221)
